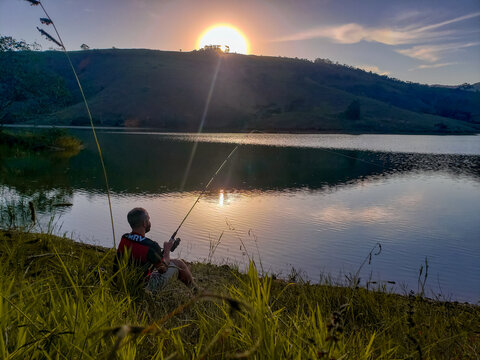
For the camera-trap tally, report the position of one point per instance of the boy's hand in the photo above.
(167, 245)
(176, 242)
(162, 267)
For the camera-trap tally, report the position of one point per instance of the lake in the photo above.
(314, 203)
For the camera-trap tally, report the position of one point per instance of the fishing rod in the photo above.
(177, 241)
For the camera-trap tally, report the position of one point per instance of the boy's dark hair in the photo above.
(136, 217)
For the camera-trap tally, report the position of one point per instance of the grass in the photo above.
(58, 41)
(58, 300)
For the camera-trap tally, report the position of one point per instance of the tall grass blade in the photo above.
(48, 20)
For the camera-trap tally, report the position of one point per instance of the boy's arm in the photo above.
(162, 263)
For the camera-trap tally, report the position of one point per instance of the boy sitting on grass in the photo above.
(158, 268)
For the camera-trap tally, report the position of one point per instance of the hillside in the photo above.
(468, 87)
(168, 90)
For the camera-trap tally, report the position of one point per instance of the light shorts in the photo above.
(158, 281)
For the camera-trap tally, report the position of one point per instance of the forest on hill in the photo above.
(180, 91)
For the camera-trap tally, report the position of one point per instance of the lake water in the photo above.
(317, 203)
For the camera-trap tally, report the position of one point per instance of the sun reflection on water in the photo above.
(221, 198)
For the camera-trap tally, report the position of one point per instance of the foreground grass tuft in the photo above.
(58, 299)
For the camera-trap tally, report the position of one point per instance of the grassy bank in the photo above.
(46, 140)
(59, 300)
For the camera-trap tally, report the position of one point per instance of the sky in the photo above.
(427, 41)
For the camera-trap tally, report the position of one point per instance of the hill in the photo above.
(169, 90)
(468, 87)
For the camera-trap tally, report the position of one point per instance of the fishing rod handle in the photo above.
(176, 242)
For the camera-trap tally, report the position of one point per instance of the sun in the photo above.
(227, 36)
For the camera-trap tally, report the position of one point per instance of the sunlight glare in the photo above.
(224, 35)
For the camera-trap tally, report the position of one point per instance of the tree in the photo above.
(8, 43)
(25, 88)
(323, 61)
(353, 110)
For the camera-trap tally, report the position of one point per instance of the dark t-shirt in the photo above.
(143, 251)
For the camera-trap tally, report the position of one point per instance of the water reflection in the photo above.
(420, 144)
(316, 210)
(220, 198)
(148, 164)
(341, 214)
(319, 231)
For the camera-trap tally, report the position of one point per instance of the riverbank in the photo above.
(58, 296)
(48, 139)
(234, 131)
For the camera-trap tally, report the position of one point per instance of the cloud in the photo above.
(432, 53)
(353, 33)
(373, 69)
(433, 66)
(448, 22)
(428, 66)
(406, 15)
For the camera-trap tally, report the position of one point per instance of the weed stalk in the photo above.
(48, 21)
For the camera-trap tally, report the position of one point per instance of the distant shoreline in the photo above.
(167, 131)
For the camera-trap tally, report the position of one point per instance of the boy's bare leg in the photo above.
(184, 273)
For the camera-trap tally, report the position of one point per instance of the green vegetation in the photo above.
(49, 140)
(58, 300)
(353, 110)
(8, 43)
(28, 87)
(168, 90)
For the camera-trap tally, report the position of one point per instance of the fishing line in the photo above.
(208, 184)
(336, 153)
(230, 155)
(352, 157)
(205, 188)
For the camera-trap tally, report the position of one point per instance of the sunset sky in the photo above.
(434, 42)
